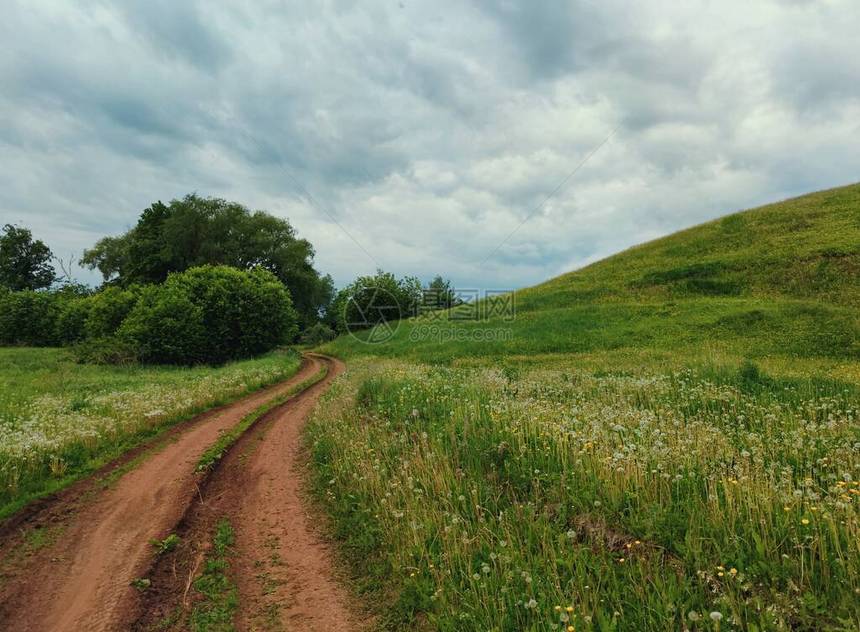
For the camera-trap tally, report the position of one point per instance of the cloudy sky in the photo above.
(418, 135)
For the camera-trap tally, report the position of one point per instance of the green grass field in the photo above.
(60, 420)
(665, 440)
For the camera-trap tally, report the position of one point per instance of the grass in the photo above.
(218, 595)
(60, 420)
(646, 501)
(665, 440)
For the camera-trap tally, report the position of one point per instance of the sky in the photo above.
(497, 143)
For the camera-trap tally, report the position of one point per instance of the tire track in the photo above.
(280, 564)
(82, 580)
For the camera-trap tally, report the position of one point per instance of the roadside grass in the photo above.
(533, 498)
(218, 595)
(60, 420)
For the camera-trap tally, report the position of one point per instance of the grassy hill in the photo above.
(664, 440)
(782, 280)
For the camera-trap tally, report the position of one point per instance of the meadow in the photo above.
(60, 419)
(547, 499)
(667, 439)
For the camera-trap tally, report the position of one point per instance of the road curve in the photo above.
(280, 563)
(82, 580)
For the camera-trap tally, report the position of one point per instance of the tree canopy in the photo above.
(25, 263)
(196, 231)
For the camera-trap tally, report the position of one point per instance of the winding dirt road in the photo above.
(81, 580)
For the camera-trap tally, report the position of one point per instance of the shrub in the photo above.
(268, 317)
(71, 320)
(110, 350)
(165, 326)
(107, 310)
(317, 334)
(28, 318)
(749, 372)
(210, 314)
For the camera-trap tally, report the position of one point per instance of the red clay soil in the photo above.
(280, 563)
(81, 580)
(283, 566)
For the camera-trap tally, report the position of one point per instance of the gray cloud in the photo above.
(428, 130)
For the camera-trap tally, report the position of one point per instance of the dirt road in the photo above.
(81, 581)
(283, 567)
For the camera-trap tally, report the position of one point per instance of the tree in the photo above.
(25, 264)
(196, 231)
(440, 295)
(375, 299)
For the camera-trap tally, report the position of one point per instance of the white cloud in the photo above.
(429, 131)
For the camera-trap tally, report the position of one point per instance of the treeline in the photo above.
(207, 314)
(198, 280)
(195, 280)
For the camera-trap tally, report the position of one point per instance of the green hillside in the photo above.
(781, 281)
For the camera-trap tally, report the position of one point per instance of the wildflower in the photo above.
(716, 616)
(804, 521)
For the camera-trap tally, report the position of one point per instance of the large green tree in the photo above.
(197, 231)
(373, 300)
(25, 263)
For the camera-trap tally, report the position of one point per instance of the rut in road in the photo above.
(82, 580)
(280, 564)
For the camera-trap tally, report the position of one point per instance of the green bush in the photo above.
(210, 314)
(107, 310)
(28, 318)
(71, 320)
(317, 334)
(110, 350)
(165, 326)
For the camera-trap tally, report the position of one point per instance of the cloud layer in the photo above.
(427, 132)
